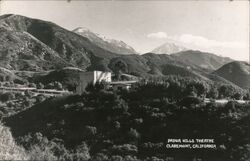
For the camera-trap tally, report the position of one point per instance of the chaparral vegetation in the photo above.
(133, 125)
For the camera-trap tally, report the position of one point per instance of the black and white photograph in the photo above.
(125, 80)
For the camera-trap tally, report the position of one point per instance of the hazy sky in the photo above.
(221, 27)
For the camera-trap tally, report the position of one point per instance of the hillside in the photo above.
(8, 75)
(111, 45)
(32, 44)
(69, 77)
(236, 72)
(51, 106)
(202, 59)
(136, 122)
(21, 51)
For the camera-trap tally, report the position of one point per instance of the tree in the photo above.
(117, 125)
(130, 158)
(225, 91)
(1, 115)
(190, 101)
(51, 85)
(33, 85)
(82, 152)
(2, 78)
(119, 68)
(213, 93)
(95, 87)
(8, 78)
(154, 159)
(133, 134)
(40, 98)
(237, 96)
(124, 149)
(27, 102)
(7, 84)
(247, 96)
(100, 157)
(191, 90)
(40, 85)
(90, 131)
(116, 158)
(40, 148)
(28, 93)
(4, 97)
(58, 86)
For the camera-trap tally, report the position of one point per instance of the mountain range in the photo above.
(111, 45)
(202, 59)
(35, 45)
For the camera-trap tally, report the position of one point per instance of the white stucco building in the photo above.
(92, 77)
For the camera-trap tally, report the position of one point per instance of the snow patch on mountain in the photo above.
(112, 45)
(169, 48)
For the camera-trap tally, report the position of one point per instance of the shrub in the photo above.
(130, 158)
(100, 157)
(33, 85)
(133, 134)
(40, 148)
(153, 159)
(82, 152)
(89, 131)
(116, 158)
(40, 86)
(40, 98)
(58, 86)
(124, 149)
(9, 150)
(5, 97)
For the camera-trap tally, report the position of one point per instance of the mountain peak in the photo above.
(112, 45)
(168, 48)
(81, 29)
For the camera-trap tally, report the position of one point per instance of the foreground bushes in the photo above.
(9, 150)
(103, 125)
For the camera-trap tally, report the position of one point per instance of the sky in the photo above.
(220, 27)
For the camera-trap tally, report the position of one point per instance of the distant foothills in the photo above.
(32, 49)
